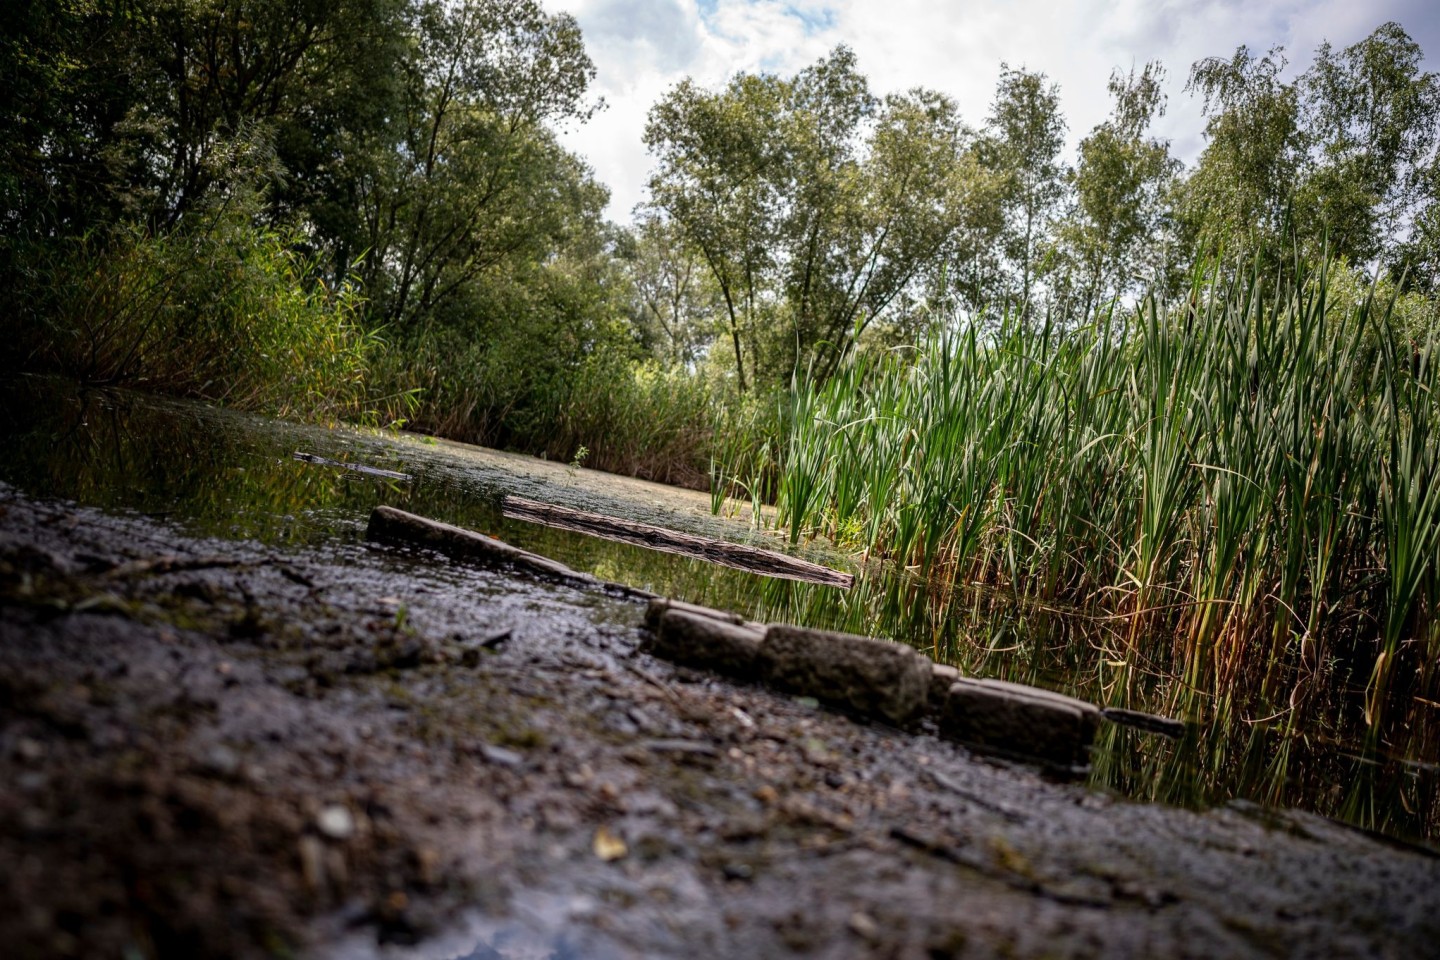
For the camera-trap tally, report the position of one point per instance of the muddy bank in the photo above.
(215, 748)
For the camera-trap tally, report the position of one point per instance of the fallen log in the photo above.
(389, 525)
(767, 563)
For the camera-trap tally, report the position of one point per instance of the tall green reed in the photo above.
(1244, 480)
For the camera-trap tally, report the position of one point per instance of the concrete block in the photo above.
(942, 675)
(876, 678)
(1018, 720)
(656, 608)
(704, 642)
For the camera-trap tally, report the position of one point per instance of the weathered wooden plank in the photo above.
(751, 559)
(389, 525)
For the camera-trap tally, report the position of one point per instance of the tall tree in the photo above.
(717, 180)
(676, 306)
(477, 176)
(1023, 138)
(813, 204)
(1240, 190)
(1115, 236)
(135, 109)
(1373, 119)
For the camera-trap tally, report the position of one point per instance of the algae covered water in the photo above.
(214, 472)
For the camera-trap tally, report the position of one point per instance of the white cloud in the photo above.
(643, 47)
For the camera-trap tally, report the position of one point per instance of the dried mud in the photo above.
(213, 748)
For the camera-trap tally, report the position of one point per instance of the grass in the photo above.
(1245, 483)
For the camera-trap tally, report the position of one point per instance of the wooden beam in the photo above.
(767, 563)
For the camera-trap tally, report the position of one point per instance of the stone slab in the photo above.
(656, 608)
(872, 677)
(1018, 720)
(705, 642)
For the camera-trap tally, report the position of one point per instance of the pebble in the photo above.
(499, 756)
(221, 761)
(336, 822)
(864, 926)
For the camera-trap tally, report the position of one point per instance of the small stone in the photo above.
(221, 761)
(738, 871)
(499, 756)
(336, 822)
(864, 926)
(29, 750)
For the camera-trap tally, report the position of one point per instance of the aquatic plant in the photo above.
(1242, 480)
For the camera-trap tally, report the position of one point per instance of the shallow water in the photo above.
(214, 472)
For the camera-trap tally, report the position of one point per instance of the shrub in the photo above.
(217, 308)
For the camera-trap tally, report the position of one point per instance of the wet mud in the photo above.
(220, 748)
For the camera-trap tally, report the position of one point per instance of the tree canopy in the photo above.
(409, 149)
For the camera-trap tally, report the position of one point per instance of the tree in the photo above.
(1240, 190)
(717, 180)
(476, 177)
(675, 307)
(1023, 137)
(1340, 158)
(1373, 119)
(813, 204)
(1114, 238)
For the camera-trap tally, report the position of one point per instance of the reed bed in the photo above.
(1242, 486)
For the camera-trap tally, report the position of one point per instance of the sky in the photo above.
(642, 48)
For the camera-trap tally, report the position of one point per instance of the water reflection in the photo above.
(219, 473)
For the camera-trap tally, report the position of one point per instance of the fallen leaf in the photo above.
(608, 846)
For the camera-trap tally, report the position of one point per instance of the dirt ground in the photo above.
(214, 749)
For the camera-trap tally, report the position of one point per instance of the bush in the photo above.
(217, 308)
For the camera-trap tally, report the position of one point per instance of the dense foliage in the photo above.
(325, 207)
(396, 163)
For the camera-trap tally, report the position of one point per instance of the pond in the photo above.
(221, 473)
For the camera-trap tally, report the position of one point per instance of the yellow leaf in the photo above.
(608, 846)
